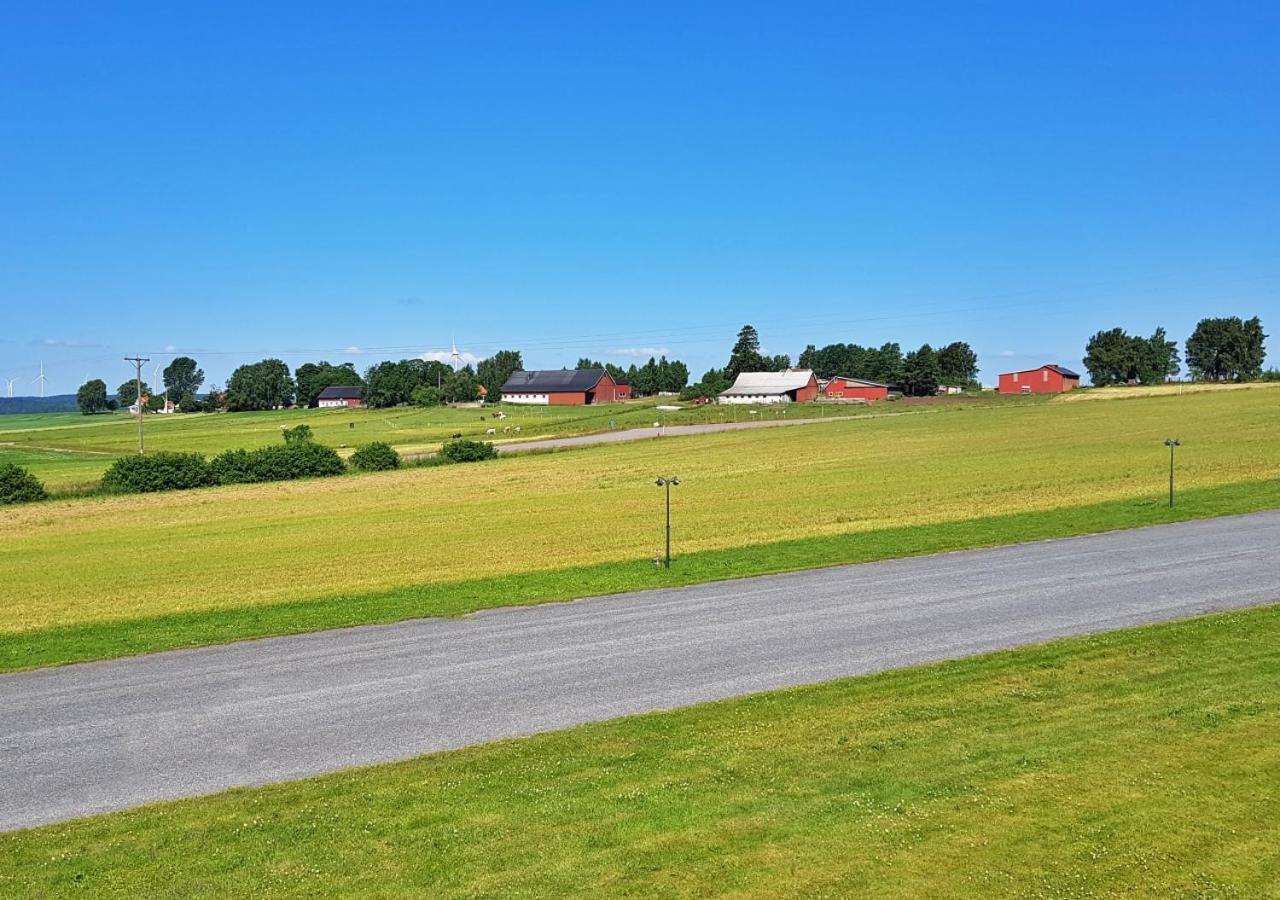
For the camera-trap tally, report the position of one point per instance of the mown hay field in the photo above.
(110, 559)
(67, 449)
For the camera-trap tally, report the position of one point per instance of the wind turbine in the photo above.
(455, 358)
(11, 382)
(41, 379)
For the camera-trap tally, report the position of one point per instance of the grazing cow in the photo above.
(456, 435)
(517, 429)
(491, 431)
(506, 428)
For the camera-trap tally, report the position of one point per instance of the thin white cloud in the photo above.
(65, 342)
(353, 350)
(444, 356)
(640, 352)
(169, 348)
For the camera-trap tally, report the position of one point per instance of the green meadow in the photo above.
(105, 576)
(68, 450)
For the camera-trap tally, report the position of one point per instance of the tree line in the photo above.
(269, 383)
(657, 376)
(1219, 349)
(918, 372)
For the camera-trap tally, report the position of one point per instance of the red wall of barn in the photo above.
(622, 392)
(567, 398)
(1039, 381)
(863, 392)
(809, 392)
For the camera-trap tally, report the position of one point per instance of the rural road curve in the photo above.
(644, 434)
(108, 735)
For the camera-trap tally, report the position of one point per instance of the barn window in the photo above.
(1046, 374)
(1015, 376)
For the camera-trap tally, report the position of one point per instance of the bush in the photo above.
(468, 451)
(17, 485)
(427, 395)
(376, 457)
(297, 435)
(302, 459)
(163, 471)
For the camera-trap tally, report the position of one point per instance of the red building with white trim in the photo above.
(843, 388)
(564, 387)
(339, 396)
(1048, 379)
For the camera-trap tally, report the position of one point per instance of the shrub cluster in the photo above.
(468, 451)
(300, 459)
(163, 471)
(17, 485)
(376, 457)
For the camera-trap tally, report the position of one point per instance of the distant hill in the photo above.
(56, 403)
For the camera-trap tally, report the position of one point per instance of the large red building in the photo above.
(564, 387)
(843, 388)
(1048, 379)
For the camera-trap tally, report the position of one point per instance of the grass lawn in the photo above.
(566, 524)
(1140, 763)
(95, 440)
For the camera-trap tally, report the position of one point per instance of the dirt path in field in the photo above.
(641, 434)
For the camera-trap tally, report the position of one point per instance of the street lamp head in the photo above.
(675, 480)
(1172, 442)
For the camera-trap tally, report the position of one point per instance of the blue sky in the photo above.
(362, 181)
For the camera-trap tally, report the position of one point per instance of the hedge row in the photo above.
(165, 471)
(298, 458)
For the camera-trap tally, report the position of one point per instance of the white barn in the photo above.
(788, 386)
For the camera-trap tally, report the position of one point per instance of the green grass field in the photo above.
(1139, 763)
(68, 450)
(105, 576)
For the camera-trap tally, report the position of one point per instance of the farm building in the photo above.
(843, 388)
(340, 396)
(564, 387)
(1048, 379)
(789, 386)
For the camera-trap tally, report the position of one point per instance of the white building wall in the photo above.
(527, 399)
(759, 399)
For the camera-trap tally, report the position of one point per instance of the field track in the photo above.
(104, 736)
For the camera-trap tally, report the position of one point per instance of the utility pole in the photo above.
(137, 362)
(1171, 443)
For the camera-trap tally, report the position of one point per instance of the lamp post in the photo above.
(667, 483)
(1171, 443)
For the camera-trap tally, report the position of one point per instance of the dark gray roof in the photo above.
(342, 392)
(1061, 370)
(848, 380)
(547, 381)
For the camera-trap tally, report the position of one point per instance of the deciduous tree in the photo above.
(92, 397)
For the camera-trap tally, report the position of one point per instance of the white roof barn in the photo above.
(786, 386)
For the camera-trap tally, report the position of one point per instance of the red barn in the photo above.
(843, 388)
(1048, 379)
(564, 387)
(340, 396)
